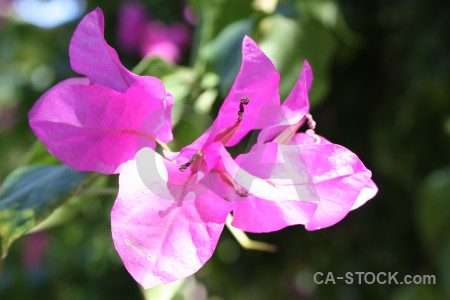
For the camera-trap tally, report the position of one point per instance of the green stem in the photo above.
(245, 241)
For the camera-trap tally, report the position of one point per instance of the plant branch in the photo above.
(245, 241)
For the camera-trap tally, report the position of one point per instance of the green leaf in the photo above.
(39, 154)
(181, 83)
(329, 14)
(30, 194)
(213, 16)
(154, 66)
(223, 54)
(308, 39)
(433, 220)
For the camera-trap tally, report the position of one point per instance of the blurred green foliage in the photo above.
(381, 89)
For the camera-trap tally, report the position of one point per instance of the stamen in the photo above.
(287, 134)
(312, 126)
(244, 101)
(183, 168)
(311, 122)
(227, 179)
(242, 192)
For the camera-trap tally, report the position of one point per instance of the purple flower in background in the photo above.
(35, 247)
(165, 41)
(131, 25)
(8, 117)
(4, 6)
(189, 15)
(149, 37)
(4, 3)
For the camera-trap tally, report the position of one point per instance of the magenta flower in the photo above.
(166, 221)
(170, 211)
(99, 122)
(328, 174)
(322, 183)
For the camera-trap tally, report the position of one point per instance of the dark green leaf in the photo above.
(224, 52)
(308, 39)
(31, 194)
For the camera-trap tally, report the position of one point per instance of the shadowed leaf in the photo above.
(30, 194)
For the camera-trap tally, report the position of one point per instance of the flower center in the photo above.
(183, 168)
(244, 101)
(286, 135)
(240, 190)
(227, 134)
(312, 126)
(224, 136)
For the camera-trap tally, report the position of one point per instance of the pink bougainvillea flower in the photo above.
(322, 181)
(165, 225)
(257, 81)
(166, 220)
(339, 179)
(293, 111)
(170, 211)
(98, 122)
(326, 175)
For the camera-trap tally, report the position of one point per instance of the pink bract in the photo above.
(326, 175)
(170, 210)
(166, 223)
(163, 235)
(99, 122)
(342, 181)
(257, 80)
(339, 182)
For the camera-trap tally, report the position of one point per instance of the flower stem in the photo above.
(163, 145)
(245, 241)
